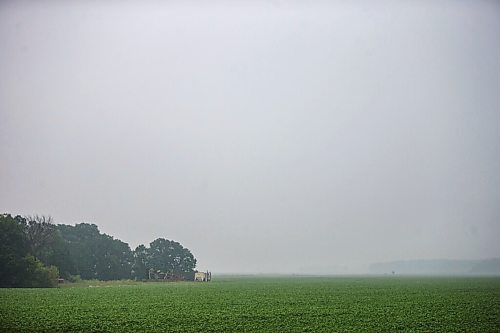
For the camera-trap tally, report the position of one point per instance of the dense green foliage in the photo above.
(18, 266)
(165, 256)
(34, 252)
(389, 304)
(95, 255)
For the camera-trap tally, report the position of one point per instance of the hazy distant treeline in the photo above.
(34, 252)
(439, 267)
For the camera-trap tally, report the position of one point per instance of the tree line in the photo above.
(35, 252)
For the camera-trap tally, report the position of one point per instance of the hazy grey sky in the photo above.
(265, 136)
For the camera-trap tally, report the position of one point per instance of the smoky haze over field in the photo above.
(267, 136)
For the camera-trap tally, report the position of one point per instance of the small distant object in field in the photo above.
(203, 276)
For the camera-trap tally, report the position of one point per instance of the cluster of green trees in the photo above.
(35, 252)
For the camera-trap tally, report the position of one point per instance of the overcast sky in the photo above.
(265, 136)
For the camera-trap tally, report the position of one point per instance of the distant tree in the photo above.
(13, 248)
(18, 268)
(47, 244)
(42, 234)
(114, 259)
(170, 257)
(96, 255)
(82, 241)
(140, 267)
(59, 256)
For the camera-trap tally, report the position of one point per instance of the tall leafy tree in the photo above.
(114, 259)
(13, 248)
(41, 233)
(170, 257)
(96, 255)
(140, 268)
(18, 267)
(81, 239)
(47, 245)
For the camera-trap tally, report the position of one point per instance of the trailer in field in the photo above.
(203, 276)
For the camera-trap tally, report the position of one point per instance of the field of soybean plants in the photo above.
(259, 304)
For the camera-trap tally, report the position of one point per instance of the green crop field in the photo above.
(255, 304)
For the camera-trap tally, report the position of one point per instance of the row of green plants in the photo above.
(35, 252)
